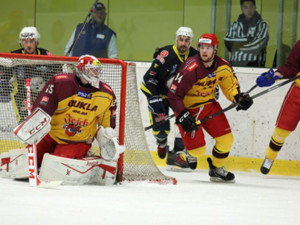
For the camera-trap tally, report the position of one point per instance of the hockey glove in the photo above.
(156, 106)
(187, 122)
(244, 101)
(266, 79)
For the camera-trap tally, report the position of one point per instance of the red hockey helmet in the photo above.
(89, 68)
(208, 39)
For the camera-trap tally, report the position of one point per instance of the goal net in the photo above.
(135, 164)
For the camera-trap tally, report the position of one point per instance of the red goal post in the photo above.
(136, 163)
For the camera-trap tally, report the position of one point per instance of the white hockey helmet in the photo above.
(89, 68)
(29, 32)
(184, 31)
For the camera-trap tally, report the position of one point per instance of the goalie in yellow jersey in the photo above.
(192, 96)
(71, 111)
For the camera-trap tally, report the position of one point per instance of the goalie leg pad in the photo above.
(94, 170)
(4, 164)
(18, 165)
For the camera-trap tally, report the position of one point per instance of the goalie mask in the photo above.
(89, 68)
(29, 33)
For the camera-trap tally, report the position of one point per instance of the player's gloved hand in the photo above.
(187, 122)
(244, 101)
(156, 106)
(266, 79)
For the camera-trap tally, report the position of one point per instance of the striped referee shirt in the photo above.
(247, 41)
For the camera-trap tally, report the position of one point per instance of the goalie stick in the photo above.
(32, 157)
(82, 28)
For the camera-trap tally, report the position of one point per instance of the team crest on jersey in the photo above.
(84, 94)
(192, 66)
(164, 53)
(73, 126)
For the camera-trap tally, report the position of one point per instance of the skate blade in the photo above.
(178, 169)
(219, 180)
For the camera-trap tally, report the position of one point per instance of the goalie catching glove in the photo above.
(187, 122)
(108, 143)
(34, 128)
(244, 101)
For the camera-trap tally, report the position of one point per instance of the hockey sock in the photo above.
(221, 149)
(276, 143)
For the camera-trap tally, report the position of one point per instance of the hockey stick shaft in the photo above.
(226, 109)
(253, 97)
(32, 153)
(275, 87)
(32, 157)
(82, 28)
(204, 119)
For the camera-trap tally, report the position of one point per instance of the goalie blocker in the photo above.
(34, 128)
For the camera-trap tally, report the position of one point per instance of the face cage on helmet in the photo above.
(91, 79)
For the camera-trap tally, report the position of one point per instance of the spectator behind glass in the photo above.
(38, 73)
(248, 37)
(96, 39)
(29, 40)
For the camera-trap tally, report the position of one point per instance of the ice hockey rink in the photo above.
(253, 199)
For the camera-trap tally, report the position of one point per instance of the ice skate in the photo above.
(192, 161)
(219, 174)
(177, 162)
(266, 166)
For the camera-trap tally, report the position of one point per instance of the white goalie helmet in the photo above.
(29, 32)
(89, 68)
(184, 31)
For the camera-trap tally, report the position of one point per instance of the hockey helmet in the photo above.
(208, 39)
(29, 32)
(89, 68)
(184, 31)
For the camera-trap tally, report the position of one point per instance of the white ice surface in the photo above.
(253, 200)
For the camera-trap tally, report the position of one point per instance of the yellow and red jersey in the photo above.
(291, 67)
(76, 109)
(195, 85)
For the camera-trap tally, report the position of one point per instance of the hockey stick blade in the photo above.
(50, 184)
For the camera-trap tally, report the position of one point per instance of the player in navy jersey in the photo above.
(155, 86)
